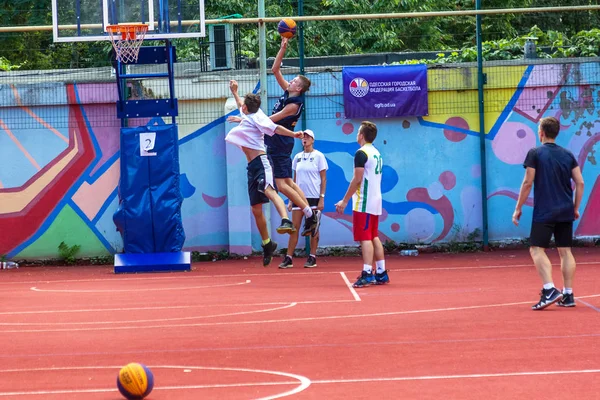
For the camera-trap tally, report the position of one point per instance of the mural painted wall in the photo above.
(60, 161)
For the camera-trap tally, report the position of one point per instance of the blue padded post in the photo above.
(152, 262)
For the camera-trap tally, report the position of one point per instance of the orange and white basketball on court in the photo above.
(135, 381)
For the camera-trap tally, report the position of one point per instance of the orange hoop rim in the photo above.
(127, 28)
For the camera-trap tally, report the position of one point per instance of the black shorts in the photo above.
(260, 176)
(282, 166)
(312, 202)
(542, 232)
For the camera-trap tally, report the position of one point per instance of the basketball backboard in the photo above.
(86, 20)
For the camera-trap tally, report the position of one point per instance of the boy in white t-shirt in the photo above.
(310, 174)
(249, 136)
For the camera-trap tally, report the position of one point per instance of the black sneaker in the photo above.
(286, 263)
(311, 225)
(286, 227)
(568, 300)
(268, 250)
(549, 297)
(311, 262)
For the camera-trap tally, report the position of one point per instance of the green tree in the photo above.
(36, 50)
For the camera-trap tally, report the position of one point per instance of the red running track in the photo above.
(447, 326)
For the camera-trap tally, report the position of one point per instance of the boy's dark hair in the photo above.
(368, 130)
(550, 126)
(252, 102)
(305, 83)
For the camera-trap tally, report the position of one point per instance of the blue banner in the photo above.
(384, 92)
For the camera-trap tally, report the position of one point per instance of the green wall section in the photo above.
(70, 228)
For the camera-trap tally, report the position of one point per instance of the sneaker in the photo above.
(286, 263)
(311, 262)
(365, 279)
(268, 250)
(311, 225)
(286, 227)
(382, 278)
(549, 296)
(568, 300)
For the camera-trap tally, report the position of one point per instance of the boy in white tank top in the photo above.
(365, 191)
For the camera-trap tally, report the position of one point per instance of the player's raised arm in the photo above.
(276, 69)
(233, 86)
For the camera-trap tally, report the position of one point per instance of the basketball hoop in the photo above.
(127, 40)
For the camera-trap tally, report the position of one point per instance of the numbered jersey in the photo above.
(367, 198)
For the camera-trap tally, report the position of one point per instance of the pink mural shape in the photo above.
(443, 205)
(214, 202)
(448, 179)
(541, 88)
(513, 141)
(452, 135)
(590, 218)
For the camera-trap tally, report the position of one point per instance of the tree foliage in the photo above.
(36, 50)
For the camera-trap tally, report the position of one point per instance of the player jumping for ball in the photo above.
(249, 136)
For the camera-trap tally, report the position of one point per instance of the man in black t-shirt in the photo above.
(549, 169)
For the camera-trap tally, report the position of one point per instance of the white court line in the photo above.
(354, 294)
(289, 305)
(35, 289)
(221, 276)
(285, 320)
(273, 321)
(465, 376)
(274, 303)
(303, 381)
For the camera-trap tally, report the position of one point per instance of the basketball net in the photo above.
(127, 40)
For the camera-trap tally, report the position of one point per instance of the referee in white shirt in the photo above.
(310, 169)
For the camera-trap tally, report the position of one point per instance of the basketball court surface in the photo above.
(447, 326)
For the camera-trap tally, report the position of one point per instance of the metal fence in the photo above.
(226, 53)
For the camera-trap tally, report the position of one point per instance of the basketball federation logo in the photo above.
(359, 87)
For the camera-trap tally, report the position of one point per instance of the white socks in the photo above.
(548, 285)
(307, 212)
(380, 267)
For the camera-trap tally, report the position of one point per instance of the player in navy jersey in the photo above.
(549, 169)
(286, 112)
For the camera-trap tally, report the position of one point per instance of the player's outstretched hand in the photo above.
(516, 216)
(299, 134)
(284, 42)
(233, 86)
(233, 118)
(340, 206)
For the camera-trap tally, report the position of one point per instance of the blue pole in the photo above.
(481, 80)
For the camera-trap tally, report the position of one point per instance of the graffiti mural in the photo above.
(60, 171)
